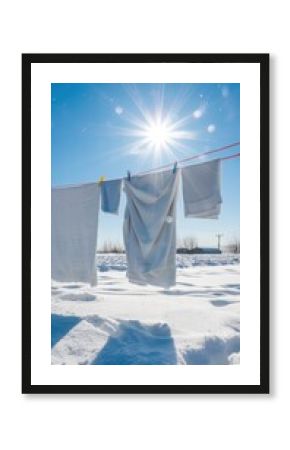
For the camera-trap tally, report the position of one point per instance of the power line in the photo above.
(219, 236)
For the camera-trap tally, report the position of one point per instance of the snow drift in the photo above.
(117, 322)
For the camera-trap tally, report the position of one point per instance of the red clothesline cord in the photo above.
(198, 155)
(230, 156)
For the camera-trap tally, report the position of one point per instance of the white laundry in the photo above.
(150, 228)
(201, 184)
(74, 225)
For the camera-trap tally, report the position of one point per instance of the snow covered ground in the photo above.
(195, 322)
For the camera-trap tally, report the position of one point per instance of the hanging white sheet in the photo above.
(150, 228)
(201, 184)
(74, 226)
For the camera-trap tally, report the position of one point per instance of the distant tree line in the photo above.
(189, 245)
(111, 247)
(233, 246)
(186, 245)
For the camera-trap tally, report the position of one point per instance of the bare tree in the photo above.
(111, 247)
(189, 242)
(233, 246)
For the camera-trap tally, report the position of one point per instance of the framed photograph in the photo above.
(145, 223)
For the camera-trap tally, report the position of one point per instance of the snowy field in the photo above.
(195, 322)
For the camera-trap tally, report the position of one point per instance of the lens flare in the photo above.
(159, 135)
(160, 132)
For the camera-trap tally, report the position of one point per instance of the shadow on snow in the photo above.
(214, 351)
(136, 343)
(61, 325)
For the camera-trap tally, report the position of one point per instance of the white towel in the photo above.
(150, 228)
(201, 185)
(74, 225)
(110, 193)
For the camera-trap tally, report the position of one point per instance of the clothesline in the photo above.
(149, 226)
(235, 155)
(177, 163)
(197, 155)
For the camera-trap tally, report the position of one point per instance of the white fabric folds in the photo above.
(74, 225)
(110, 194)
(150, 228)
(202, 190)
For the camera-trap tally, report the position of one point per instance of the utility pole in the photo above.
(219, 236)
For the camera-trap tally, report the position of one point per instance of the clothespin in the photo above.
(175, 167)
(128, 175)
(101, 179)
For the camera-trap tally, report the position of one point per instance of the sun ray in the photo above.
(161, 133)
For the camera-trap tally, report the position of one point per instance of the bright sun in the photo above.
(159, 135)
(162, 132)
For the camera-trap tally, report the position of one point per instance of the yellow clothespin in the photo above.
(101, 179)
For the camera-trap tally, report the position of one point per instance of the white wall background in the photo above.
(203, 422)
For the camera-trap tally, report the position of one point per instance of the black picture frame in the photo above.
(263, 61)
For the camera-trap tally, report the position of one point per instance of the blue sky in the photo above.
(107, 129)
